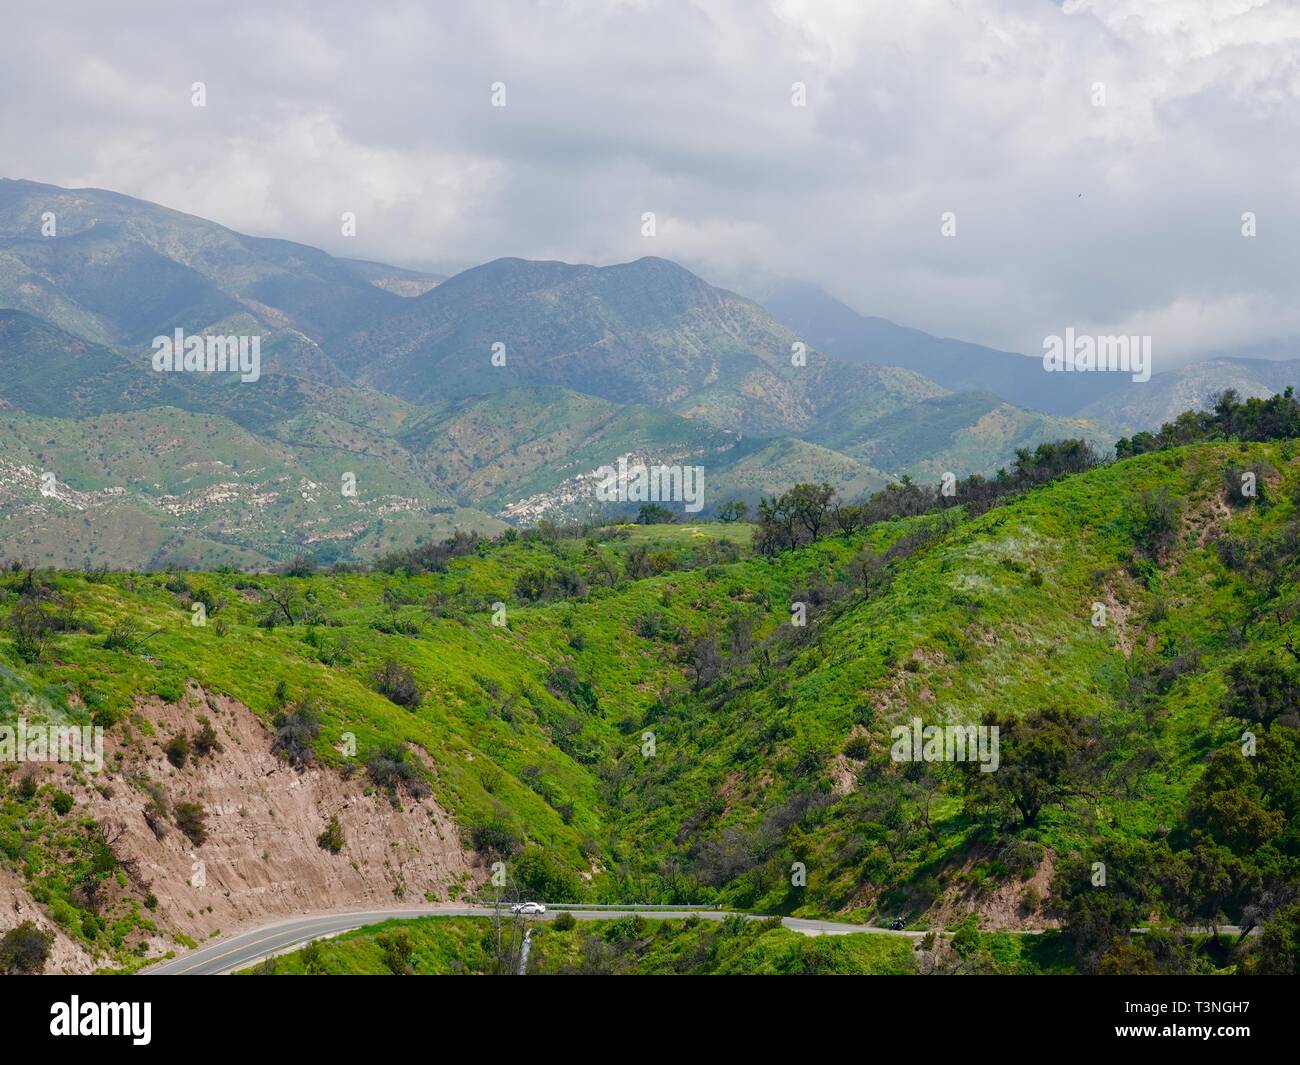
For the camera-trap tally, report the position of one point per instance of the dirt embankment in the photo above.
(17, 905)
(1014, 903)
(261, 859)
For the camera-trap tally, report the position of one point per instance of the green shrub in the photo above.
(313, 959)
(190, 817)
(295, 732)
(541, 876)
(396, 683)
(397, 949)
(178, 750)
(858, 748)
(24, 950)
(332, 838)
(391, 769)
(495, 835)
(966, 941)
(205, 740)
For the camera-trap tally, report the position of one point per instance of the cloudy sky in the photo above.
(1098, 154)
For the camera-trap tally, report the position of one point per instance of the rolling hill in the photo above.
(769, 743)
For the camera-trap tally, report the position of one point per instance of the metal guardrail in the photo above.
(649, 906)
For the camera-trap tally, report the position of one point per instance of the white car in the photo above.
(527, 907)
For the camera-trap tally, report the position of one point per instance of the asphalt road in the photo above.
(248, 948)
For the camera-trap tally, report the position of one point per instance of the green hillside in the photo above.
(769, 743)
(648, 332)
(967, 432)
(152, 488)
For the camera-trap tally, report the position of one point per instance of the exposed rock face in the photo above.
(1013, 904)
(261, 858)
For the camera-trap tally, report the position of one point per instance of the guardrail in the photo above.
(675, 907)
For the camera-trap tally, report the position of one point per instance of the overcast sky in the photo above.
(1121, 217)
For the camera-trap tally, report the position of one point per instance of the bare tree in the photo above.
(283, 598)
(507, 929)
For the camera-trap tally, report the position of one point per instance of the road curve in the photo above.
(248, 948)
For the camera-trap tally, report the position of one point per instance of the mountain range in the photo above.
(394, 405)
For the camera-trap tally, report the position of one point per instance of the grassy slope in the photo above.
(983, 631)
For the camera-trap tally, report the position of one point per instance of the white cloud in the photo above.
(1067, 212)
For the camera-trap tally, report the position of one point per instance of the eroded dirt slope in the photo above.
(261, 858)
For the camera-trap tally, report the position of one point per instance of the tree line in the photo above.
(807, 512)
(1257, 420)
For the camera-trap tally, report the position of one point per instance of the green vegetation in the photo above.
(73, 874)
(1275, 418)
(641, 719)
(631, 946)
(332, 838)
(24, 949)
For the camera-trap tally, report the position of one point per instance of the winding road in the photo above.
(248, 948)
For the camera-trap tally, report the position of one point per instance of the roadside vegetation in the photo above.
(628, 947)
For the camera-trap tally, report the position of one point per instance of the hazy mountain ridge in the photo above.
(648, 332)
(313, 291)
(638, 358)
(1194, 387)
(836, 328)
(1114, 402)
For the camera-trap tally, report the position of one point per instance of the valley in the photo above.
(383, 626)
(629, 713)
